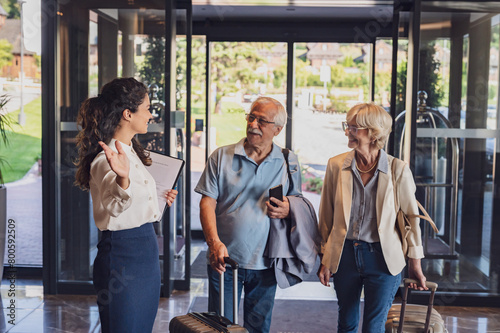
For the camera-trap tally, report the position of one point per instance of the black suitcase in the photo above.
(201, 322)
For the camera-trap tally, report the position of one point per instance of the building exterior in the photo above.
(462, 258)
(321, 54)
(10, 30)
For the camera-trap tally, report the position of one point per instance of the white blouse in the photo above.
(116, 208)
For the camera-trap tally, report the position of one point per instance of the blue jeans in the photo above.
(362, 265)
(260, 289)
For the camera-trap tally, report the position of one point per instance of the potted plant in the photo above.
(4, 125)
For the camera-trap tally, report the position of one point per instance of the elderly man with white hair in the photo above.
(235, 211)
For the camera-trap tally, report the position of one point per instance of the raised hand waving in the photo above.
(118, 162)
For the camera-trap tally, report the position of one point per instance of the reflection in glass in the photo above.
(94, 47)
(459, 72)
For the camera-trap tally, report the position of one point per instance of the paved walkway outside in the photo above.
(24, 197)
(24, 206)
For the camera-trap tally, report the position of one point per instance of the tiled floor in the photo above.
(35, 312)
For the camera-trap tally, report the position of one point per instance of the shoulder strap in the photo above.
(394, 184)
(426, 215)
(286, 152)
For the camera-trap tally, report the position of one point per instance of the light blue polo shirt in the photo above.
(241, 188)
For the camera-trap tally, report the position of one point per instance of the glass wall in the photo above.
(330, 78)
(95, 46)
(383, 69)
(455, 148)
(198, 124)
(457, 120)
(240, 72)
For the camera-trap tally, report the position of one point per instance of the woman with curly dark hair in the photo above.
(111, 165)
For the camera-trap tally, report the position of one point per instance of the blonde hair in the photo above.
(375, 119)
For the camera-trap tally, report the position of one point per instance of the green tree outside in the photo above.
(151, 71)
(233, 64)
(5, 53)
(12, 8)
(429, 78)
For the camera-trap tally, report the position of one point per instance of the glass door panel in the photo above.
(383, 69)
(95, 46)
(178, 135)
(198, 124)
(240, 72)
(329, 79)
(456, 146)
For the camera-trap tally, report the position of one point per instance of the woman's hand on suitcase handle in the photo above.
(324, 275)
(415, 271)
(217, 253)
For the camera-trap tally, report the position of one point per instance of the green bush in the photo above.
(314, 185)
(25, 143)
(310, 182)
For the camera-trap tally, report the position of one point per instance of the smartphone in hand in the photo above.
(276, 192)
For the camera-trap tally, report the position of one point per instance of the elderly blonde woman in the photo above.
(357, 221)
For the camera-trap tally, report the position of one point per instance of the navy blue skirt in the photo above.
(127, 279)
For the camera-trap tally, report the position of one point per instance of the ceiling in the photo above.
(298, 3)
(264, 10)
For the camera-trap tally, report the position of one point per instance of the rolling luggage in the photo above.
(201, 322)
(415, 318)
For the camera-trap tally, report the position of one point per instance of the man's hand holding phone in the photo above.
(277, 193)
(277, 206)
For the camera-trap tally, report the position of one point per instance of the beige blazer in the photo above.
(335, 211)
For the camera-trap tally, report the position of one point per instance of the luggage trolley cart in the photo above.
(437, 173)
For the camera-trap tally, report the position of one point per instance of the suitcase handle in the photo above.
(432, 286)
(234, 265)
(232, 262)
(428, 284)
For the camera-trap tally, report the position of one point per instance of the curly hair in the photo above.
(99, 118)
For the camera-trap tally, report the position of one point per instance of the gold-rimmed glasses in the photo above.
(353, 129)
(262, 122)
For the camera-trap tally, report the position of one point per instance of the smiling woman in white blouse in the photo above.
(111, 165)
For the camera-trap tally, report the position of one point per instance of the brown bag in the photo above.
(403, 221)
